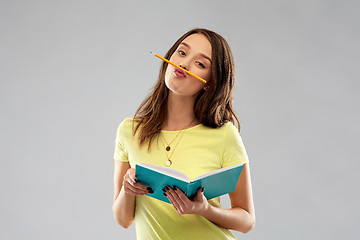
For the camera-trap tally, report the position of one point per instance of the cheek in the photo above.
(173, 58)
(168, 72)
(205, 74)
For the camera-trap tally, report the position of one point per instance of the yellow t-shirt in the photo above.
(198, 150)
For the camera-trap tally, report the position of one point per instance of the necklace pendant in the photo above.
(168, 163)
(168, 148)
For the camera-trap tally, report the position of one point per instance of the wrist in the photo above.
(205, 211)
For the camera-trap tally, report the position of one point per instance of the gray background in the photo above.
(71, 71)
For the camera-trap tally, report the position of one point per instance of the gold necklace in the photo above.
(168, 162)
(168, 148)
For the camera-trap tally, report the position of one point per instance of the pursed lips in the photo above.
(180, 73)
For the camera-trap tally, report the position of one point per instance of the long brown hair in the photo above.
(212, 108)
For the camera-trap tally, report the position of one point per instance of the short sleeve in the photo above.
(120, 152)
(234, 150)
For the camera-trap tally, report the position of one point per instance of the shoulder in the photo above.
(229, 129)
(228, 132)
(229, 126)
(231, 132)
(234, 151)
(125, 123)
(224, 131)
(125, 127)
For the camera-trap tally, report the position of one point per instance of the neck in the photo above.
(180, 113)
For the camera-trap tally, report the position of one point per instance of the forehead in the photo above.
(198, 43)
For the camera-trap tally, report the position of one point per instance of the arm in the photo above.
(125, 190)
(240, 217)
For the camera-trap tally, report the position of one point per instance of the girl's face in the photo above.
(193, 54)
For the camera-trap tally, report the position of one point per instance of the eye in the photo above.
(181, 52)
(200, 64)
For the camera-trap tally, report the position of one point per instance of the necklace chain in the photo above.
(168, 144)
(168, 162)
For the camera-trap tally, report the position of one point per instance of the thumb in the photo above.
(200, 194)
(132, 175)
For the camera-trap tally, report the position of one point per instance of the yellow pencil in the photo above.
(175, 65)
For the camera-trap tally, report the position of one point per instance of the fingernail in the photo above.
(135, 180)
(164, 189)
(174, 187)
(164, 194)
(202, 189)
(150, 190)
(167, 188)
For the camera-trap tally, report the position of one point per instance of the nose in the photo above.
(183, 66)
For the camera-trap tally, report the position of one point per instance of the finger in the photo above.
(200, 191)
(138, 186)
(135, 184)
(131, 174)
(174, 200)
(200, 195)
(132, 192)
(137, 191)
(181, 196)
(130, 189)
(174, 203)
(133, 178)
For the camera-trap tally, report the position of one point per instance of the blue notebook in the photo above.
(215, 183)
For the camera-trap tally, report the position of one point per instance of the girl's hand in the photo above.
(132, 187)
(183, 205)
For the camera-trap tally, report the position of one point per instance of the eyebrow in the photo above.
(203, 55)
